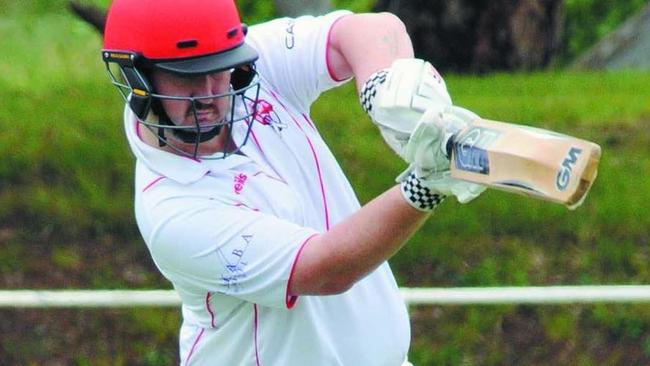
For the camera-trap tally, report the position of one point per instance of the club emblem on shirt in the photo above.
(266, 116)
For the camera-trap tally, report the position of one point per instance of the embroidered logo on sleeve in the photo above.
(235, 265)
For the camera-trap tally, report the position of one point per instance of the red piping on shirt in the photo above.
(152, 183)
(257, 355)
(269, 176)
(290, 300)
(207, 306)
(313, 151)
(196, 341)
(239, 204)
(309, 121)
(255, 138)
(257, 142)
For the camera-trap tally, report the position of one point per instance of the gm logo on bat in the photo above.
(564, 174)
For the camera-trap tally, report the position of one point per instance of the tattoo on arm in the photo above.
(391, 43)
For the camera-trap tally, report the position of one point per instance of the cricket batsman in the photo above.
(239, 200)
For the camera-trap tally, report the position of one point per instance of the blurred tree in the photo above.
(587, 21)
(461, 35)
(92, 14)
(358, 6)
(252, 11)
(256, 11)
(482, 35)
(295, 8)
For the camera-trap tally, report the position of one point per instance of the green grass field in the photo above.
(66, 212)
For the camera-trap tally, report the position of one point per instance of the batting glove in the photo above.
(397, 97)
(428, 180)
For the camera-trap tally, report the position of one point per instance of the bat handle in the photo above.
(449, 144)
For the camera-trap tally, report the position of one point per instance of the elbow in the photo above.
(320, 271)
(335, 287)
(379, 24)
(391, 21)
(364, 43)
(320, 283)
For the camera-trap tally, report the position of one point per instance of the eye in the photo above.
(221, 75)
(173, 82)
(182, 82)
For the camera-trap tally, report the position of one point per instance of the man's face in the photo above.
(209, 111)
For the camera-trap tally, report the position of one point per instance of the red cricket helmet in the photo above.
(185, 38)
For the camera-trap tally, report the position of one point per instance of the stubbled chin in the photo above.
(212, 146)
(206, 123)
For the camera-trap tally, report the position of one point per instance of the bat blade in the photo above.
(534, 162)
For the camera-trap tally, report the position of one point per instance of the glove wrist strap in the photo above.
(369, 90)
(418, 195)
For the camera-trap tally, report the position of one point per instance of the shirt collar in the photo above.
(182, 169)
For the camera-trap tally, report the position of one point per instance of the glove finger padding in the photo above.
(396, 98)
(463, 114)
(396, 141)
(466, 191)
(426, 153)
(425, 147)
(412, 86)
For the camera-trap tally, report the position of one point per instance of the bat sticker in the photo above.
(470, 150)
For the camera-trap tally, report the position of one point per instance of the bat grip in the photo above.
(449, 145)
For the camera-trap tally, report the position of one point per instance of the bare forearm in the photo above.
(365, 43)
(334, 261)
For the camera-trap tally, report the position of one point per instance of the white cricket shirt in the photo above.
(227, 232)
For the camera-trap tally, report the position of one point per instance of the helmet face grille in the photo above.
(233, 125)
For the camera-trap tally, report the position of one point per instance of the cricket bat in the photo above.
(531, 161)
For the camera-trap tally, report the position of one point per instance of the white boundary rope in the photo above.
(527, 295)
(412, 296)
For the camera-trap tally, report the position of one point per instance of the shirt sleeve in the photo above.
(293, 55)
(230, 250)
